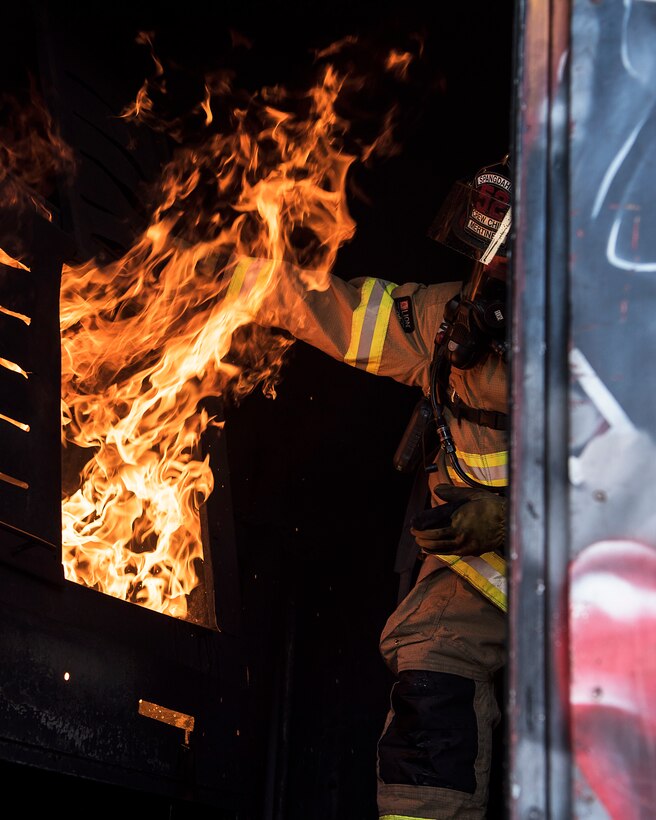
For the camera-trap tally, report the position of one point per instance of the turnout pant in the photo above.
(444, 642)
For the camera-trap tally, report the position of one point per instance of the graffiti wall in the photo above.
(612, 409)
(582, 677)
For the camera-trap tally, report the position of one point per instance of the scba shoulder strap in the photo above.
(484, 418)
(457, 407)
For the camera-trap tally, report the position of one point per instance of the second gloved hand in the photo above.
(471, 522)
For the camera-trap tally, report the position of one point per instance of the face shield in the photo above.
(475, 217)
(475, 220)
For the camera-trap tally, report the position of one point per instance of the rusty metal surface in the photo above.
(539, 755)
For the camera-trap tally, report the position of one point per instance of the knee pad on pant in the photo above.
(432, 737)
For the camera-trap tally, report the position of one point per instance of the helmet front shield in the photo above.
(475, 217)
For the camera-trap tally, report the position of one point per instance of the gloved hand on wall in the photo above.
(471, 522)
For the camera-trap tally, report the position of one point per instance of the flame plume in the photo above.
(146, 339)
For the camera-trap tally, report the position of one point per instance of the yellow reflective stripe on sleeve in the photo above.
(246, 274)
(380, 328)
(399, 817)
(489, 468)
(369, 325)
(487, 573)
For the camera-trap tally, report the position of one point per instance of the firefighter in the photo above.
(445, 641)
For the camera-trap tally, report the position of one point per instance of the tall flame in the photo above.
(146, 339)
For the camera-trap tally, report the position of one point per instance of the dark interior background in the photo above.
(317, 504)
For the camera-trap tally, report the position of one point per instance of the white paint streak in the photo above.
(598, 393)
(614, 167)
(611, 249)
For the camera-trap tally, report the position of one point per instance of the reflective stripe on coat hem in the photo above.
(486, 573)
(399, 817)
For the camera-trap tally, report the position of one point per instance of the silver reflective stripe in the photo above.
(498, 239)
(492, 575)
(369, 325)
(487, 573)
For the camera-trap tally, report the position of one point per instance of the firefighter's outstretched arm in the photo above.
(470, 522)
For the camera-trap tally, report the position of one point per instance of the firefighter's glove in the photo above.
(471, 522)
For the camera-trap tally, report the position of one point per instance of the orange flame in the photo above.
(147, 338)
